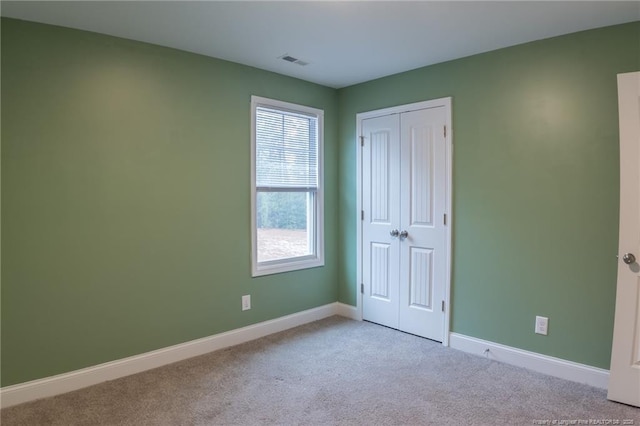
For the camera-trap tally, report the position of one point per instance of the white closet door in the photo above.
(404, 246)
(423, 204)
(381, 202)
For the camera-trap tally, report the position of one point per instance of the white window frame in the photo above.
(316, 232)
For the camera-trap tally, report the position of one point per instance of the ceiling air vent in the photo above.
(291, 59)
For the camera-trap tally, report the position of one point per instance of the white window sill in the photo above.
(286, 265)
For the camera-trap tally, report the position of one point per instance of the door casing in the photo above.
(441, 102)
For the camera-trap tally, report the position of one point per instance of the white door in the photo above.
(381, 219)
(624, 378)
(404, 239)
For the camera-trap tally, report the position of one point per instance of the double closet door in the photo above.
(404, 239)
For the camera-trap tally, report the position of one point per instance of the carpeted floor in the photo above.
(330, 372)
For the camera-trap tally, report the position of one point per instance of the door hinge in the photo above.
(361, 214)
(445, 219)
(361, 140)
(445, 131)
(443, 306)
(362, 288)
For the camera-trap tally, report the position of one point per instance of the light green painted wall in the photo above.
(125, 194)
(125, 199)
(535, 186)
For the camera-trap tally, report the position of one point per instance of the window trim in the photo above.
(292, 263)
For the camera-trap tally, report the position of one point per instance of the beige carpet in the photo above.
(331, 372)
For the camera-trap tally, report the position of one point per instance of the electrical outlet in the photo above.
(246, 302)
(542, 325)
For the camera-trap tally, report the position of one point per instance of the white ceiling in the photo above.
(345, 42)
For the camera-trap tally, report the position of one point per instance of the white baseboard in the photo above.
(67, 382)
(348, 311)
(557, 367)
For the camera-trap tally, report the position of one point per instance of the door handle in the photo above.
(628, 258)
(403, 235)
(394, 233)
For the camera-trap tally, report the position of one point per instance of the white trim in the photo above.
(545, 364)
(359, 118)
(442, 102)
(449, 227)
(67, 382)
(294, 263)
(348, 311)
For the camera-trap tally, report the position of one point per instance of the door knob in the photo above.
(394, 233)
(629, 258)
(404, 234)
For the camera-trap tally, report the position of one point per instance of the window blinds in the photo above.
(286, 151)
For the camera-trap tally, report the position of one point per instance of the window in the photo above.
(286, 180)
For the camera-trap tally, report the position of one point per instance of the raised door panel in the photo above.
(379, 176)
(421, 176)
(380, 265)
(421, 278)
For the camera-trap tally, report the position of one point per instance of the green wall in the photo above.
(125, 194)
(535, 188)
(125, 199)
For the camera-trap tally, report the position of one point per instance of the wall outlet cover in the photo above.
(542, 325)
(246, 302)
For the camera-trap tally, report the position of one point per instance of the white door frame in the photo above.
(442, 102)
